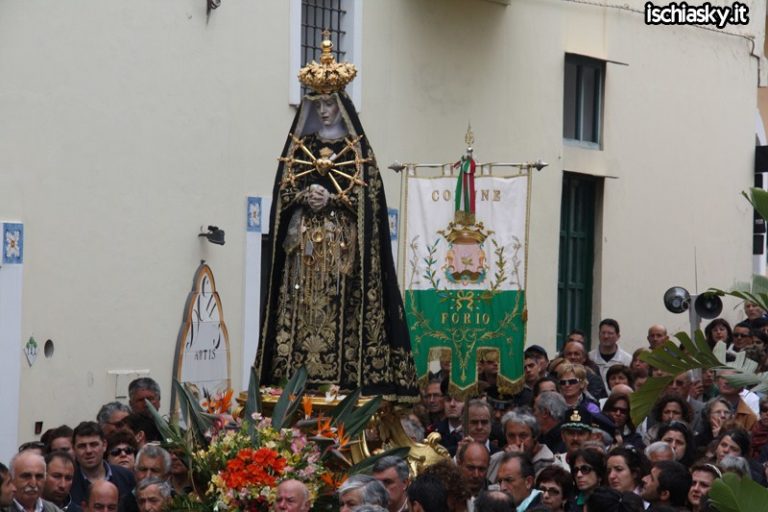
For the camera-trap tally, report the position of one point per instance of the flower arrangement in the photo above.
(246, 474)
(237, 461)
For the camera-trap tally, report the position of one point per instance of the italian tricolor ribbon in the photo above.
(465, 185)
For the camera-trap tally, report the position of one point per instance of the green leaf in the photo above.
(759, 199)
(290, 399)
(755, 291)
(720, 352)
(744, 379)
(759, 284)
(322, 441)
(340, 456)
(198, 421)
(642, 400)
(253, 403)
(722, 494)
(668, 358)
(686, 342)
(703, 352)
(736, 494)
(357, 421)
(366, 466)
(170, 437)
(341, 412)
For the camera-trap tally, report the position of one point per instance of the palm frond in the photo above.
(670, 359)
(366, 466)
(340, 412)
(695, 354)
(198, 421)
(737, 494)
(289, 400)
(642, 400)
(357, 420)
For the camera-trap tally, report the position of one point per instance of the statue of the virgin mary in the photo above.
(333, 305)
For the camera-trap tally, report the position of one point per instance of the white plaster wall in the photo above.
(126, 127)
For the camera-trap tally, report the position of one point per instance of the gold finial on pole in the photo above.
(469, 138)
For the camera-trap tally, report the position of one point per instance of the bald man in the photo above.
(657, 335)
(622, 389)
(102, 495)
(292, 496)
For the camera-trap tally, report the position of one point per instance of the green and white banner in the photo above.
(465, 278)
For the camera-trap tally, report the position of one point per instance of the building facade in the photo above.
(127, 127)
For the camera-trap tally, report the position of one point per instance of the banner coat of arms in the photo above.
(465, 273)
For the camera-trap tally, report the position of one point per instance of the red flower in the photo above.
(253, 468)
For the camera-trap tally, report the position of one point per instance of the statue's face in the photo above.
(328, 110)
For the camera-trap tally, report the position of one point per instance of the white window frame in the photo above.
(352, 25)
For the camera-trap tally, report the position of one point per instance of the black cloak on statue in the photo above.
(333, 305)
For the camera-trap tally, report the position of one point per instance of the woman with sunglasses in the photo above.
(625, 469)
(556, 485)
(575, 352)
(588, 470)
(572, 384)
(678, 435)
(617, 408)
(121, 449)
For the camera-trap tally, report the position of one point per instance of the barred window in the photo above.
(316, 17)
(310, 19)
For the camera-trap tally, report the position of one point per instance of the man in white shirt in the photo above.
(608, 352)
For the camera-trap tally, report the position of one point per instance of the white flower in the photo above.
(12, 249)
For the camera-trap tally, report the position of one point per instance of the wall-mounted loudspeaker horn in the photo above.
(677, 299)
(708, 305)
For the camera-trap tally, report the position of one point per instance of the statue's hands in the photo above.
(317, 197)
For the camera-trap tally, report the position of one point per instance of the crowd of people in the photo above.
(564, 443)
(567, 443)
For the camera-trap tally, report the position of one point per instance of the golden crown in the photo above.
(328, 76)
(464, 230)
